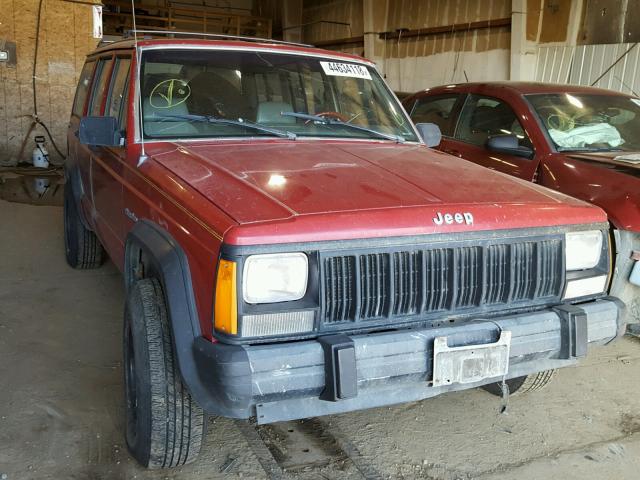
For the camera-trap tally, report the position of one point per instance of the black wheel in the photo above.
(82, 247)
(164, 426)
(522, 385)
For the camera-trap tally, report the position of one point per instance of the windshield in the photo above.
(212, 93)
(577, 122)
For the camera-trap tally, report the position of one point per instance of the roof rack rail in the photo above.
(130, 34)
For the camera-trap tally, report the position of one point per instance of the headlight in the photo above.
(278, 277)
(583, 249)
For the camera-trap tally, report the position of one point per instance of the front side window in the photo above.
(210, 93)
(83, 88)
(117, 99)
(437, 109)
(100, 83)
(483, 117)
(578, 122)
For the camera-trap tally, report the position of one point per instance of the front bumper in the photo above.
(286, 381)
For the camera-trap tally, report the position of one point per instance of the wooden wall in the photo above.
(317, 16)
(413, 14)
(548, 21)
(65, 39)
(390, 15)
(606, 21)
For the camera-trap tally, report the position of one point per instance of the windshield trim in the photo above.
(551, 144)
(141, 49)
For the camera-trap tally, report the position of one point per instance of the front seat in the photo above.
(271, 113)
(214, 95)
(154, 125)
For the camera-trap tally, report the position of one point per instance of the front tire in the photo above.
(164, 425)
(522, 385)
(82, 248)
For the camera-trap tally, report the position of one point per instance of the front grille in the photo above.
(419, 281)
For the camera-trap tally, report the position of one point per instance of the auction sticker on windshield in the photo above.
(345, 70)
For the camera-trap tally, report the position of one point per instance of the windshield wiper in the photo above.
(330, 121)
(226, 121)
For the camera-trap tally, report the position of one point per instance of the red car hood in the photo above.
(317, 190)
(611, 159)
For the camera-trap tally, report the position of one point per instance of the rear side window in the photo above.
(437, 109)
(117, 99)
(83, 88)
(99, 86)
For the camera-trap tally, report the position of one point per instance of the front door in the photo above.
(484, 116)
(107, 163)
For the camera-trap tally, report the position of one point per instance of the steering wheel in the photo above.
(336, 115)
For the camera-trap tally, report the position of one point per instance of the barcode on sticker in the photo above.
(345, 70)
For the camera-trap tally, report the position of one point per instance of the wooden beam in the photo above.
(359, 40)
(456, 27)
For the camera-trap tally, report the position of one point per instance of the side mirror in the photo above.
(508, 144)
(100, 131)
(430, 133)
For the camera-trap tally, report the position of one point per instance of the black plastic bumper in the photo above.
(293, 380)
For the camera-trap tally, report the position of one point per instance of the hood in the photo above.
(623, 162)
(368, 185)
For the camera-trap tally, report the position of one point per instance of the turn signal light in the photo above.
(226, 310)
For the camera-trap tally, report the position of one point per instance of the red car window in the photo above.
(99, 86)
(482, 117)
(83, 88)
(437, 109)
(118, 92)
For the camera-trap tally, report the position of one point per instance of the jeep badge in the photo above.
(448, 218)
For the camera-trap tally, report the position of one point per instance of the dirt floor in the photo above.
(61, 404)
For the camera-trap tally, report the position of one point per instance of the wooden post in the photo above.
(291, 20)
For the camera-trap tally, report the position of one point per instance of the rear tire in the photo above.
(522, 385)
(164, 425)
(83, 250)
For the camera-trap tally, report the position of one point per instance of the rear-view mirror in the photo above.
(430, 134)
(508, 144)
(100, 131)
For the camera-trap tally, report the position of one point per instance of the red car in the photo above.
(290, 248)
(581, 141)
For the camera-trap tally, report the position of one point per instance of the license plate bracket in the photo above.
(470, 363)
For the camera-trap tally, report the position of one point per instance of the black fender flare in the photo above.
(203, 365)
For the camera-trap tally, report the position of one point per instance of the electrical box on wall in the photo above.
(7, 53)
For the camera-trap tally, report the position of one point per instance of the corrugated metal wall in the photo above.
(584, 64)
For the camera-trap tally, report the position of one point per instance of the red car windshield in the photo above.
(204, 93)
(578, 122)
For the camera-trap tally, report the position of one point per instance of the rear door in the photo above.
(441, 110)
(77, 112)
(481, 117)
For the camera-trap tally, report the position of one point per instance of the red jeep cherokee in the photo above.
(290, 247)
(581, 141)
